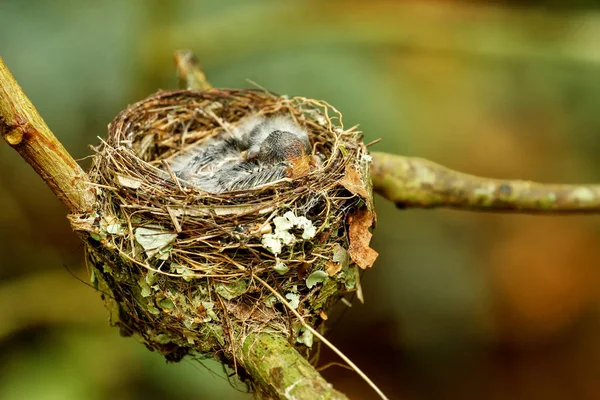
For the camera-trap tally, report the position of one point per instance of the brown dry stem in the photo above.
(189, 72)
(418, 183)
(26, 132)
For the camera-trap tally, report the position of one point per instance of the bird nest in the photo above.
(187, 271)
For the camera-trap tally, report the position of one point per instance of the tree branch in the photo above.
(418, 183)
(282, 371)
(26, 132)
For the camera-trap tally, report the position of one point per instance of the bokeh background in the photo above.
(458, 305)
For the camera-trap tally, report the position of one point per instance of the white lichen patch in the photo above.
(186, 273)
(114, 229)
(317, 276)
(281, 235)
(272, 243)
(293, 299)
(306, 338)
(582, 195)
(365, 159)
(425, 175)
(153, 240)
(486, 191)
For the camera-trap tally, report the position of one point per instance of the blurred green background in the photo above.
(458, 305)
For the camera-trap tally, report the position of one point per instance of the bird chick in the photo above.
(287, 147)
(281, 155)
(256, 129)
(260, 150)
(207, 158)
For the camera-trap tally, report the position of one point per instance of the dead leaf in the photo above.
(333, 268)
(82, 222)
(129, 181)
(353, 183)
(245, 312)
(360, 238)
(358, 181)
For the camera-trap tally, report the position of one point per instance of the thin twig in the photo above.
(418, 183)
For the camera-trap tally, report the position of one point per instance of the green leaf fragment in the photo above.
(152, 310)
(146, 290)
(107, 269)
(340, 255)
(114, 229)
(153, 240)
(306, 338)
(188, 322)
(151, 278)
(185, 272)
(209, 308)
(280, 267)
(217, 332)
(166, 303)
(96, 236)
(231, 290)
(293, 299)
(165, 253)
(163, 338)
(328, 290)
(350, 275)
(270, 301)
(316, 277)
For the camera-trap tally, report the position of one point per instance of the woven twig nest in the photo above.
(177, 265)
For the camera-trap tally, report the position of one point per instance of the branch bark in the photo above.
(418, 183)
(281, 371)
(26, 132)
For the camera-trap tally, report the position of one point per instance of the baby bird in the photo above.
(260, 150)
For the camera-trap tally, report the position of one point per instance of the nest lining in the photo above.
(177, 263)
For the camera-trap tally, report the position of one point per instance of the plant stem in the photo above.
(189, 72)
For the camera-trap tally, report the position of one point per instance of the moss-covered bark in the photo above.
(276, 367)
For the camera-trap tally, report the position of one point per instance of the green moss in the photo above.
(275, 363)
(232, 290)
(330, 288)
